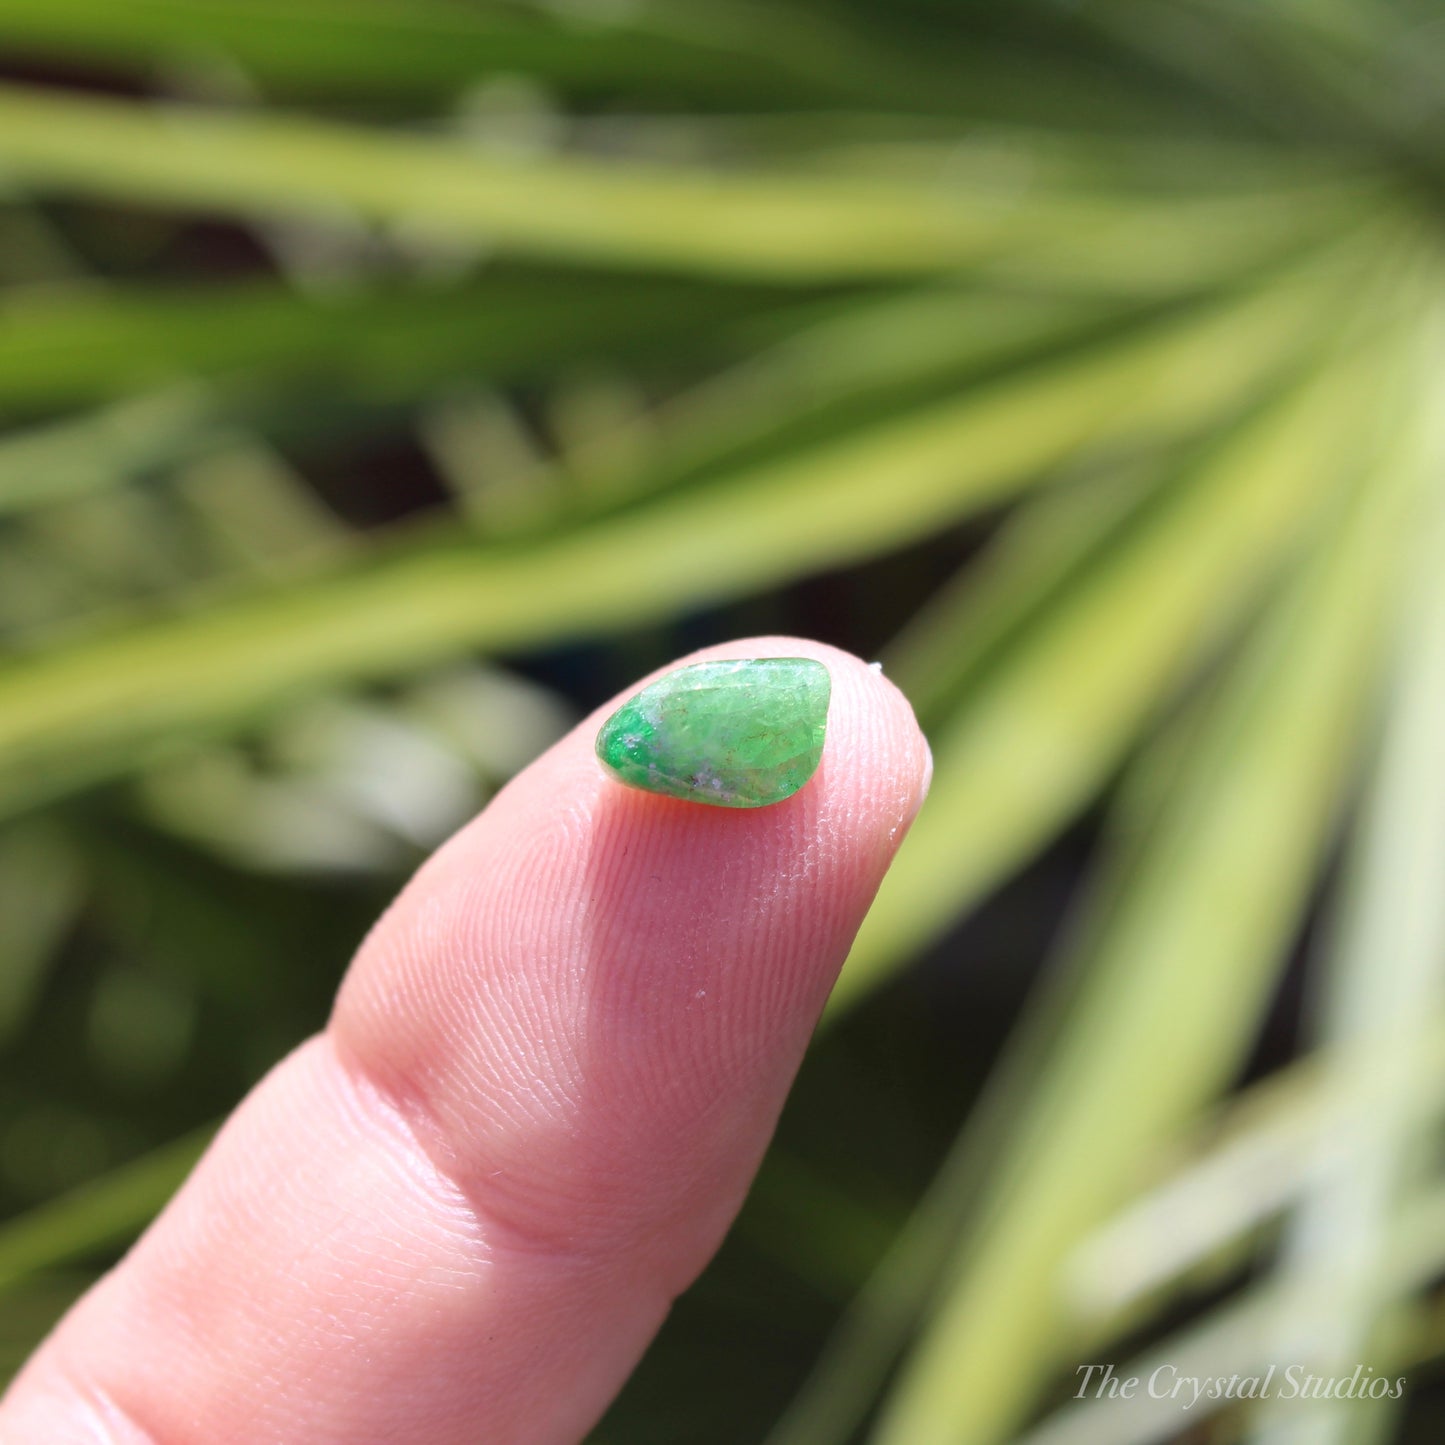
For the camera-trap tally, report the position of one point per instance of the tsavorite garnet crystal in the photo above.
(738, 734)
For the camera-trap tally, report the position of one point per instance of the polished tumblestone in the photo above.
(738, 734)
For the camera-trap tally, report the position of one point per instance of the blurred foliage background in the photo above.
(386, 383)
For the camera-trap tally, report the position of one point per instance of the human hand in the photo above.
(461, 1212)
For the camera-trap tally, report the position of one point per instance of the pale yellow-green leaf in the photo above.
(1039, 727)
(1078, 622)
(1177, 971)
(1385, 971)
(101, 705)
(811, 227)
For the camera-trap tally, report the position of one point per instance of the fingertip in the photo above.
(548, 1080)
(587, 949)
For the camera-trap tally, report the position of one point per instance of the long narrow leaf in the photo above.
(416, 48)
(95, 708)
(64, 346)
(1049, 707)
(1387, 970)
(1089, 618)
(98, 1215)
(726, 222)
(1238, 1338)
(1178, 971)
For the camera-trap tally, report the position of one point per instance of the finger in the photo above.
(462, 1211)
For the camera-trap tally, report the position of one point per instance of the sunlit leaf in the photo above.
(1176, 971)
(1386, 971)
(1055, 655)
(724, 221)
(75, 714)
(1038, 671)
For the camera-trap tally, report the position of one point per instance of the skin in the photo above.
(462, 1211)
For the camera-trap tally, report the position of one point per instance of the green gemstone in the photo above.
(738, 734)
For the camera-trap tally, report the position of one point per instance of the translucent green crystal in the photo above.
(738, 734)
